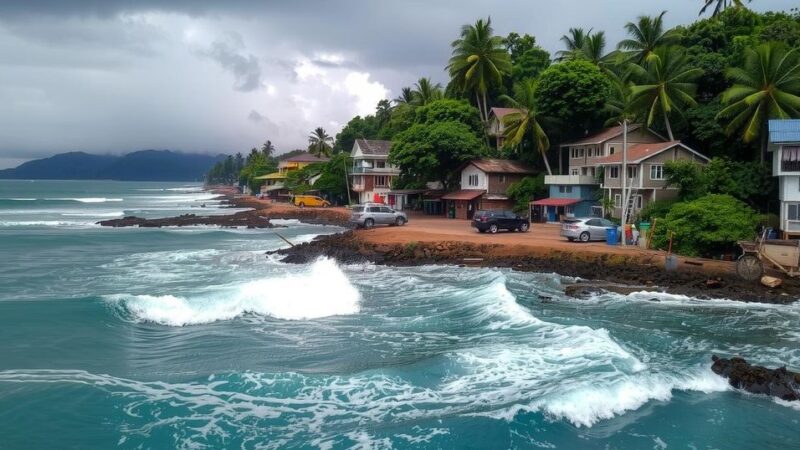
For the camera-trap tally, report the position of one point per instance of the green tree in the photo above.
(256, 166)
(530, 64)
(406, 96)
(267, 149)
(665, 84)
(720, 5)
(574, 41)
(319, 143)
(525, 190)
(526, 123)
(356, 128)
(479, 62)
(425, 91)
(333, 177)
(712, 224)
(383, 112)
(646, 35)
(517, 45)
(435, 151)
(573, 92)
(449, 110)
(767, 87)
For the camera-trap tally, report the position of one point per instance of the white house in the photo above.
(372, 175)
(784, 143)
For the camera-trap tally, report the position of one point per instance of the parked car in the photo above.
(492, 221)
(585, 229)
(370, 214)
(310, 200)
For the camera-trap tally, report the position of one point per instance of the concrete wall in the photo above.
(483, 182)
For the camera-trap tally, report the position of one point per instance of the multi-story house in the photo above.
(784, 143)
(484, 183)
(372, 175)
(273, 187)
(594, 173)
(644, 174)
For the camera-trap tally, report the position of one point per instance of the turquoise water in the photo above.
(193, 338)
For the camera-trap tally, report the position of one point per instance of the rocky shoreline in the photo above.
(778, 382)
(247, 219)
(597, 273)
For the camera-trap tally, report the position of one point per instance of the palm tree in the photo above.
(767, 87)
(406, 96)
(319, 143)
(425, 92)
(645, 36)
(721, 5)
(525, 122)
(594, 48)
(574, 42)
(478, 62)
(620, 105)
(664, 84)
(267, 149)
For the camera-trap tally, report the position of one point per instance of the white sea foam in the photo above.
(47, 223)
(89, 199)
(320, 291)
(95, 214)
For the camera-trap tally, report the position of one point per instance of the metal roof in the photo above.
(784, 131)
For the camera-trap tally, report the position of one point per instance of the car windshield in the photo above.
(571, 220)
(358, 209)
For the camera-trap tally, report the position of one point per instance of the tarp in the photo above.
(555, 201)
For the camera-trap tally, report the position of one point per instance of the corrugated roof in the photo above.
(639, 152)
(374, 147)
(784, 131)
(501, 166)
(604, 135)
(463, 194)
(271, 176)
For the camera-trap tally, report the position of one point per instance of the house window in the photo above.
(574, 171)
(501, 178)
(657, 172)
(637, 201)
(584, 170)
(592, 171)
(633, 171)
(617, 201)
(382, 181)
(473, 180)
(580, 153)
(613, 172)
(358, 181)
(565, 189)
(611, 151)
(380, 164)
(590, 152)
(793, 213)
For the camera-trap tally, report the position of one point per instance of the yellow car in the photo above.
(310, 200)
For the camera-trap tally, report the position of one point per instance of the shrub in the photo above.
(524, 190)
(709, 225)
(658, 208)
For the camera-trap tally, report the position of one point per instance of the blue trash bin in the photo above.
(611, 236)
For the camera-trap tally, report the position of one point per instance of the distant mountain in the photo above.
(145, 165)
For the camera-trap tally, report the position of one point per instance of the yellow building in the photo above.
(274, 186)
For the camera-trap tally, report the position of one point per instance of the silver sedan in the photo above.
(586, 229)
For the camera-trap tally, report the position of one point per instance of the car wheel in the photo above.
(571, 239)
(585, 236)
(369, 223)
(302, 205)
(400, 221)
(493, 228)
(523, 227)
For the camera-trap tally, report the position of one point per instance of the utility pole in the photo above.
(346, 180)
(624, 198)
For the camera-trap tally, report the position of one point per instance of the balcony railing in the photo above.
(570, 179)
(377, 170)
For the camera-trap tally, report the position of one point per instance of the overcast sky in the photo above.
(112, 76)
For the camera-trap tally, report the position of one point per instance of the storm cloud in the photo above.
(199, 75)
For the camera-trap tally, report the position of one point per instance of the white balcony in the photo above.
(570, 179)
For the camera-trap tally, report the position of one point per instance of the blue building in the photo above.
(570, 196)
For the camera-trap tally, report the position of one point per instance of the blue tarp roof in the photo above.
(781, 131)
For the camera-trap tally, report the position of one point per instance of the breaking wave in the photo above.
(322, 290)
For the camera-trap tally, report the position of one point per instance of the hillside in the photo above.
(144, 165)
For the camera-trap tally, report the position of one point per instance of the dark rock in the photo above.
(249, 219)
(778, 382)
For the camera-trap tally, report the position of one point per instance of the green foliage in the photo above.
(658, 208)
(525, 190)
(750, 182)
(226, 171)
(320, 143)
(708, 225)
(447, 110)
(357, 128)
(299, 181)
(433, 151)
(332, 180)
(257, 165)
(573, 92)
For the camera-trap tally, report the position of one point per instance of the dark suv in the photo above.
(492, 221)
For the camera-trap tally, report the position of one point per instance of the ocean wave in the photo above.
(64, 199)
(95, 214)
(322, 290)
(48, 223)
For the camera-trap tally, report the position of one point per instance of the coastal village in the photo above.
(653, 150)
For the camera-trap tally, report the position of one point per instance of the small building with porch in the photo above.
(484, 183)
(575, 196)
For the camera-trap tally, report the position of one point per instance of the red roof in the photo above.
(555, 201)
(603, 135)
(489, 165)
(464, 194)
(638, 152)
(500, 112)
